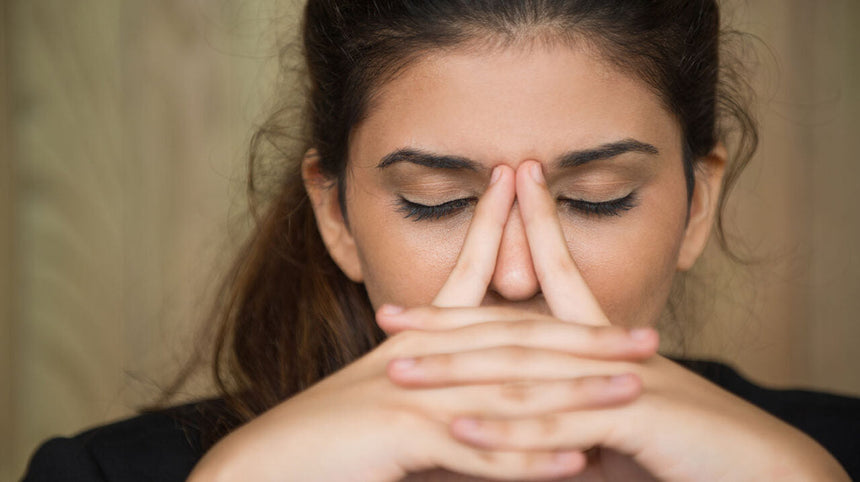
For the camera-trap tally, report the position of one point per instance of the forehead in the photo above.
(508, 105)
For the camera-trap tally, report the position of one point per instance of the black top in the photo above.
(165, 445)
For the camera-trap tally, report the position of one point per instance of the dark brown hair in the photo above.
(287, 316)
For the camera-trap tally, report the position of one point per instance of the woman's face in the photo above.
(610, 151)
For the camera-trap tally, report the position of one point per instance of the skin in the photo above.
(509, 356)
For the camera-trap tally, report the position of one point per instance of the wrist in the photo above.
(803, 459)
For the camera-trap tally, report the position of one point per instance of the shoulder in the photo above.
(157, 445)
(832, 420)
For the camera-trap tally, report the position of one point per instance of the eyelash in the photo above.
(420, 212)
(613, 207)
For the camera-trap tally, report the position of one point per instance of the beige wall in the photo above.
(123, 130)
(129, 121)
(6, 296)
(790, 316)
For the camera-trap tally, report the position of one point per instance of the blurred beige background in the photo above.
(123, 126)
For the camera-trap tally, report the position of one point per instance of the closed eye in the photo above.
(612, 207)
(420, 212)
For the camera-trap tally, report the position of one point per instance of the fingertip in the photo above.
(536, 173)
(522, 172)
(570, 462)
(532, 192)
(389, 318)
(464, 427)
(628, 383)
(497, 173)
(502, 170)
(390, 310)
(646, 339)
(400, 369)
(531, 170)
(500, 179)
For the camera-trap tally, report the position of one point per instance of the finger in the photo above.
(498, 365)
(585, 341)
(562, 285)
(468, 281)
(553, 432)
(432, 318)
(441, 450)
(525, 399)
(519, 466)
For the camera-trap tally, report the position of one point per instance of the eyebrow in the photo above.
(605, 151)
(566, 160)
(422, 158)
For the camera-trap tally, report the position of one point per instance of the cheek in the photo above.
(405, 262)
(629, 266)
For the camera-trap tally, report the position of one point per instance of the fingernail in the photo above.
(620, 380)
(467, 424)
(537, 173)
(565, 458)
(640, 334)
(391, 310)
(497, 173)
(403, 364)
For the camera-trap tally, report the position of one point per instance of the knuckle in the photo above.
(488, 457)
(548, 425)
(438, 364)
(498, 431)
(517, 392)
(578, 387)
(517, 355)
(531, 462)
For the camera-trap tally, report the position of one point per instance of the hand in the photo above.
(358, 425)
(681, 427)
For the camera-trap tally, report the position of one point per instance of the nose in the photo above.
(514, 278)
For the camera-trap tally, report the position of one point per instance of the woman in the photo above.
(460, 277)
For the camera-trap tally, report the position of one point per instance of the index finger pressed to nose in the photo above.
(468, 281)
(563, 287)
